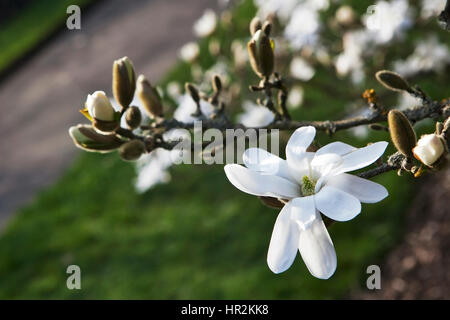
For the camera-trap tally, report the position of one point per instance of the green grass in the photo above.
(195, 238)
(30, 27)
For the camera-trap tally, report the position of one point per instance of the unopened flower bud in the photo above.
(261, 55)
(193, 92)
(266, 28)
(133, 117)
(132, 150)
(439, 127)
(99, 106)
(255, 25)
(217, 83)
(429, 149)
(402, 133)
(124, 81)
(149, 97)
(87, 138)
(393, 81)
(272, 202)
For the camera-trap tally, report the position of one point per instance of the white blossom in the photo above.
(255, 115)
(310, 184)
(99, 106)
(350, 61)
(429, 55)
(385, 20)
(301, 69)
(189, 52)
(295, 97)
(429, 149)
(206, 25)
(302, 27)
(431, 8)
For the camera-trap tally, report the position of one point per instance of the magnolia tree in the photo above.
(313, 186)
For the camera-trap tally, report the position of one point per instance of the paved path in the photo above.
(41, 100)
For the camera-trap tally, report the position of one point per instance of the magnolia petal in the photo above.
(365, 190)
(317, 250)
(284, 241)
(260, 160)
(326, 162)
(297, 144)
(303, 211)
(337, 147)
(258, 184)
(336, 204)
(362, 157)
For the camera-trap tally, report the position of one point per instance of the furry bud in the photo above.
(255, 25)
(87, 138)
(261, 55)
(193, 92)
(393, 81)
(124, 81)
(402, 133)
(217, 83)
(133, 117)
(149, 97)
(132, 150)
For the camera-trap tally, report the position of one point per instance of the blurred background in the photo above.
(153, 230)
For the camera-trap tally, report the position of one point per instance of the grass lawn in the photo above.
(30, 27)
(195, 238)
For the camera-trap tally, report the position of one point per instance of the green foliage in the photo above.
(31, 26)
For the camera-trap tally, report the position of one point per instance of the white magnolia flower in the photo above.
(99, 106)
(429, 149)
(255, 115)
(386, 19)
(189, 52)
(206, 25)
(283, 9)
(431, 8)
(309, 183)
(295, 97)
(429, 55)
(301, 69)
(303, 27)
(350, 61)
(187, 107)
(345, 15)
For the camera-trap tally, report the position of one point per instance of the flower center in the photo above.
(308, 186)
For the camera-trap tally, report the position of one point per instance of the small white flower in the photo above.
(189, 52)
(429, 55)
(295, 97)
(350, 61)
(99, 106)
(206, 25)
(255, 115)
(388, 19)
(345, 15)
(301, 69)
(302, 27)
(310, 183)
(240, 55)
(174, 90)
(187, 107)
(431, 8)
(429, 149)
